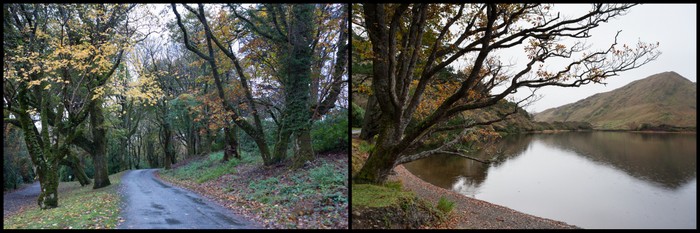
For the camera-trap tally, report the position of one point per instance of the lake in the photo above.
(588, 179)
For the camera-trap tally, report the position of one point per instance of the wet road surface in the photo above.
(153, 204)
(25, 196)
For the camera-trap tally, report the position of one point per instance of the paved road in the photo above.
(152, 204)
(25, 196)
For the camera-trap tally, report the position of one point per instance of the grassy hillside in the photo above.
(661, 99)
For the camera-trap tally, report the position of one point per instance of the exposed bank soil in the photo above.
(470, 213)
(392, 217)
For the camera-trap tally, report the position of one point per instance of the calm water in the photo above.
(588, 179)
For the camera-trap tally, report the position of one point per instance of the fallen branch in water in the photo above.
(466, 156)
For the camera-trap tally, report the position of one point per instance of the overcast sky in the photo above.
(672, 25)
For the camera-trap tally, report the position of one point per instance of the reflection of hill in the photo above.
(443, 170)
(665, 159)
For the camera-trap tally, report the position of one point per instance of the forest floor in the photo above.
(313, 196)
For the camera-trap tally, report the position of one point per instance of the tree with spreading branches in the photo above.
(412, 43)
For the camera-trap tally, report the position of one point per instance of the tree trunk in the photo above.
(377, 168)
(167, 145)
(227, 145)
(137, 158)
(383, 159)
(150, 155)
(297, 66)
(234, 141)
(48, 180)
(231, 143)
(45, 165)
(123, 163)
(370, 125)
(302, 149)
(280, 152)
(131, 156)
(192, 143)
(99, 158)
(205, 142)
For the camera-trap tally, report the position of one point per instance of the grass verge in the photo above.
(368, 195)
(389, 205)
(78, 208)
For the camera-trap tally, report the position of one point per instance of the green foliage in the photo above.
(64, 173)
(358, 114)
(445, 205)
(365, 147)
(210, 168)
(220, 170)
(246, 143)
(263, 190)
(327, 175)
(218, 143)
(331, 133)
(194, 170)
(395, 185)
(324, 179)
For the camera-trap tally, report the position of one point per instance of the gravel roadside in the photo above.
(470, 213)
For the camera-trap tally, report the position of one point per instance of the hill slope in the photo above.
(661, 99)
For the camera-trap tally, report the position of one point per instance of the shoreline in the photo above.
(554, 131)
(471, 213)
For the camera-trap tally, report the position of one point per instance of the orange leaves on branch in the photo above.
(434, 96)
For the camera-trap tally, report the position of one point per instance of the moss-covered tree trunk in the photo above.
(234, 142)
(74, 163)
(167, 145)
(281, 145)
(370, 123)
(124, 165)
(99, 157)
(302, 148)
(205, 142)
(379, 164)
(231, 143)
(298, 79)
(151, 154)
(45, 163)
(48, 180)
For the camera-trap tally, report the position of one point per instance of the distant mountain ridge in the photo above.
(664, 99)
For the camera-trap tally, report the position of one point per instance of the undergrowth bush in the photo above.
(358, 114)
(331, 133)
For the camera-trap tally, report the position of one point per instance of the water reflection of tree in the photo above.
(667, 160)
(462, 174)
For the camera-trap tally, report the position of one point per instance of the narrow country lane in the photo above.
(12, 201)
(152, 204)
